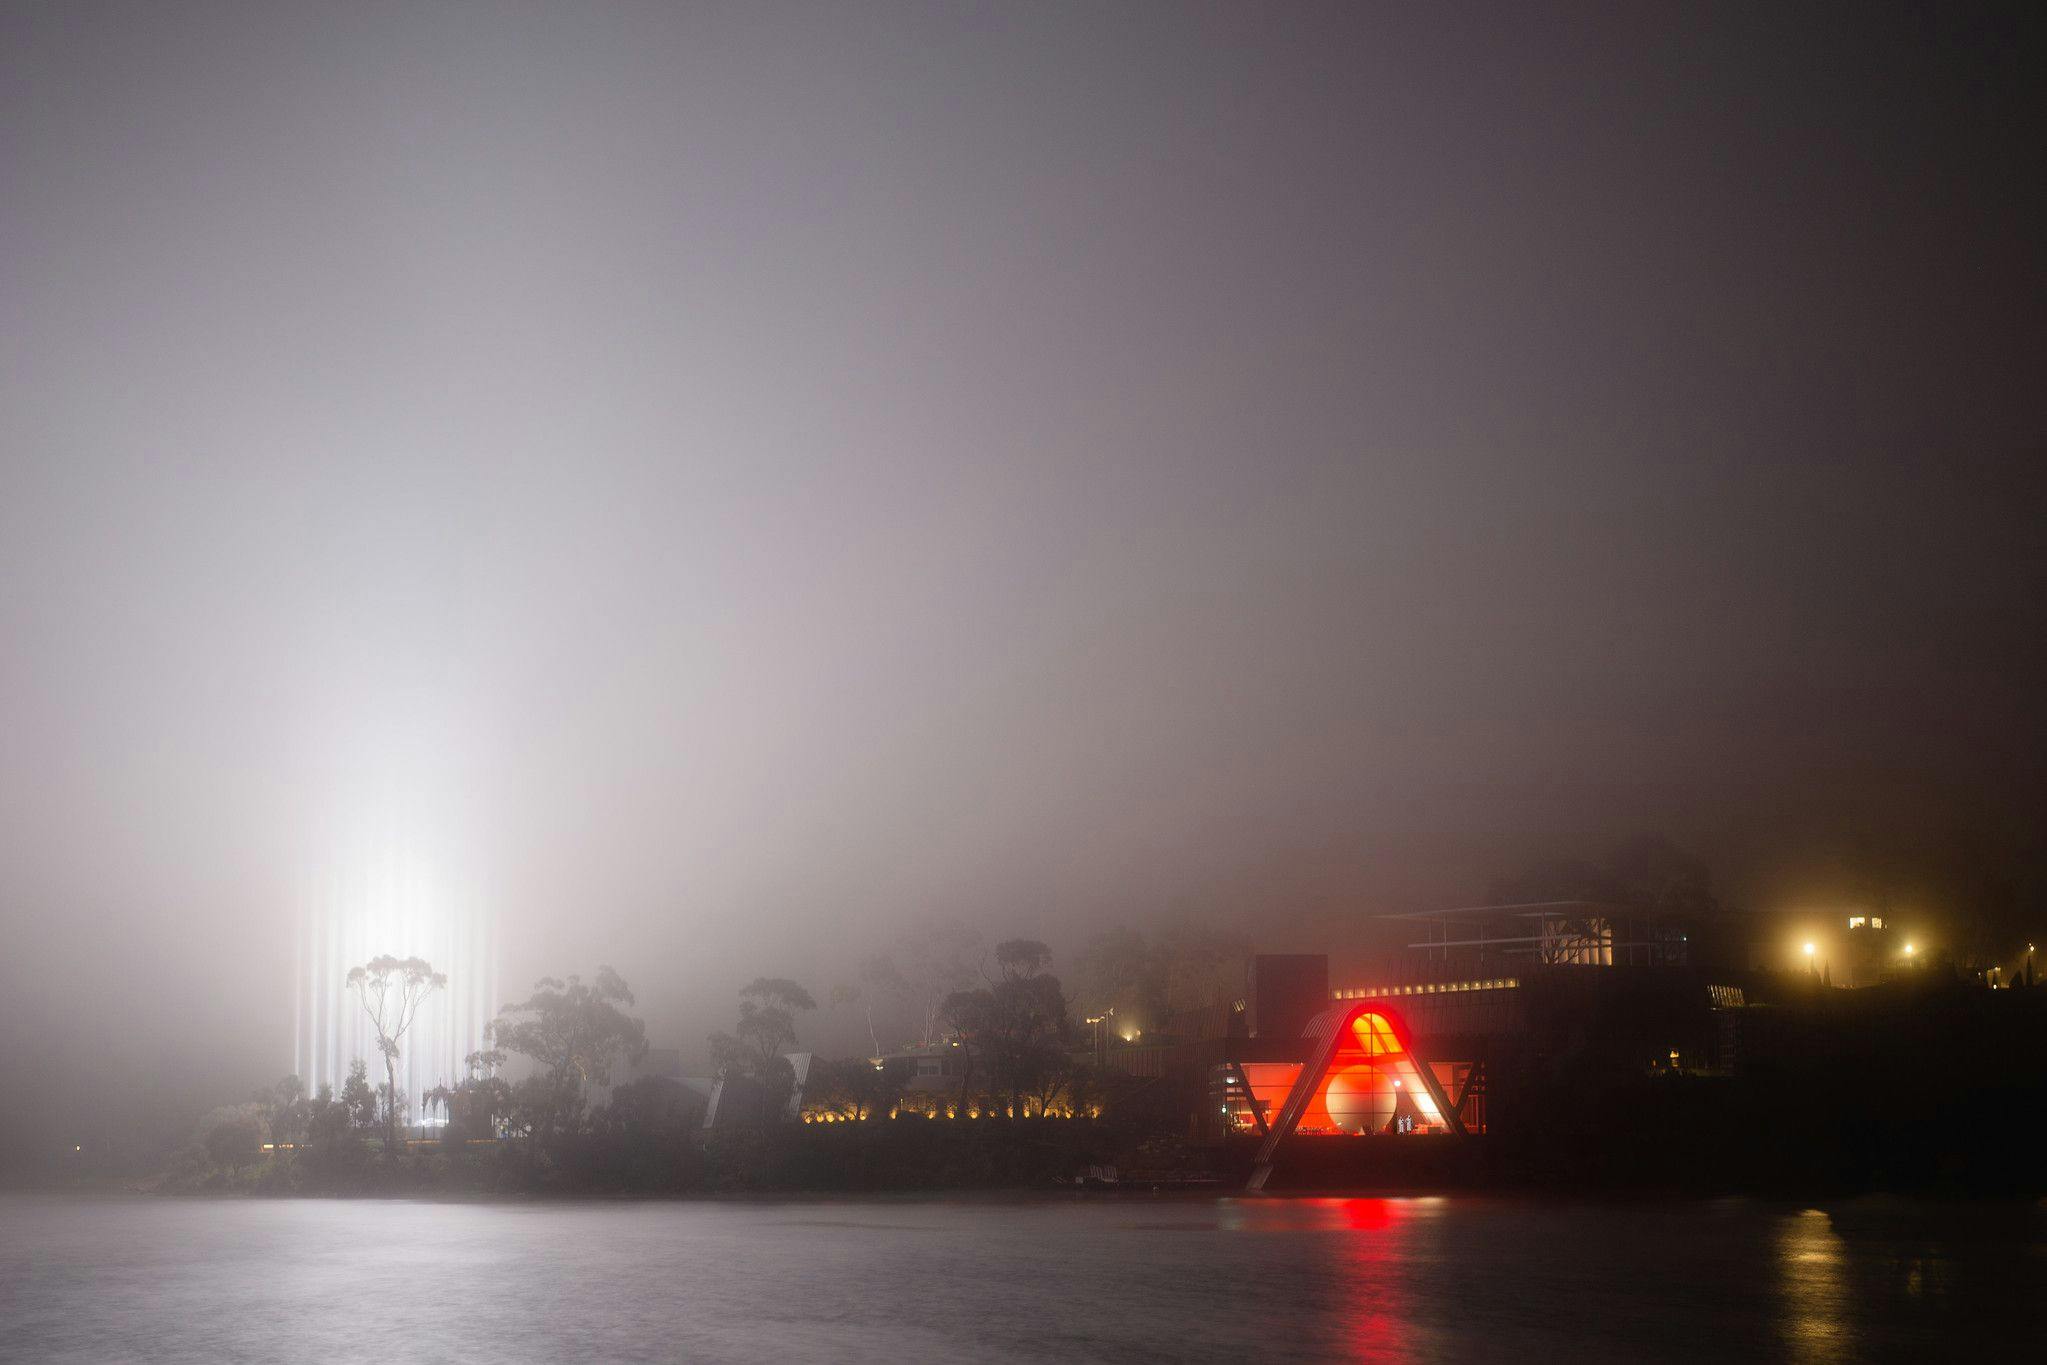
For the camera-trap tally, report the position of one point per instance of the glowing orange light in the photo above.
(1370, 1079)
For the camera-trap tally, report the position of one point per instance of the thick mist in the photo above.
(718, 483)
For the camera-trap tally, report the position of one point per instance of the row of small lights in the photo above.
(973, 1112)
(1506, 983)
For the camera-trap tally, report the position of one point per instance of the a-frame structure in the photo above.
(1360, 1066)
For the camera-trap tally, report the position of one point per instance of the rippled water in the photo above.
(101, 1279)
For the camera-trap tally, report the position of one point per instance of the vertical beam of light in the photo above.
(326, 987)
(381, 893)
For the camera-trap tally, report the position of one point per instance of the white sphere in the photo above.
(1361, 1099)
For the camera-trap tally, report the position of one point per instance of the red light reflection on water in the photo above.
(1378, 1313)
(1363, 1215)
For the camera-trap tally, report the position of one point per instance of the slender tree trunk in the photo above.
(391, 1103)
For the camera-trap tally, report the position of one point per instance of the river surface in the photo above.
(103, 1279)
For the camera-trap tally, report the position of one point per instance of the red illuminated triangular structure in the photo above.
(1362, 1064)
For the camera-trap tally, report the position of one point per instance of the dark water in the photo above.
(114, 1279)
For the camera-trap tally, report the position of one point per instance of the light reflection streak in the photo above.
(1812, 1279)
(1379, 1317)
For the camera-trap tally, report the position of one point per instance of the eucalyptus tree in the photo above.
(575, 1031)
(766, 1029)
(1018, 1024)
(392, 990)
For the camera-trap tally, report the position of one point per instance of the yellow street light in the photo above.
(1910, 949)
(1810, 950)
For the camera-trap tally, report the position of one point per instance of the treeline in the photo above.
(543, 1106)
(572, 1035)
(639, 1141)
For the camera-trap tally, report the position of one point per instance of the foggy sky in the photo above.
(729, 478)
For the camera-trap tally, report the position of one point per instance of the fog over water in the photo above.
(703, 485)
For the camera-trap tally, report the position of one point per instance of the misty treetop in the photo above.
(573, 1027)
(575, 1032)
(750, 1058)
(1144, 980)
(901, 990)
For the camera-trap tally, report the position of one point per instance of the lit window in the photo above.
(1857, 921)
